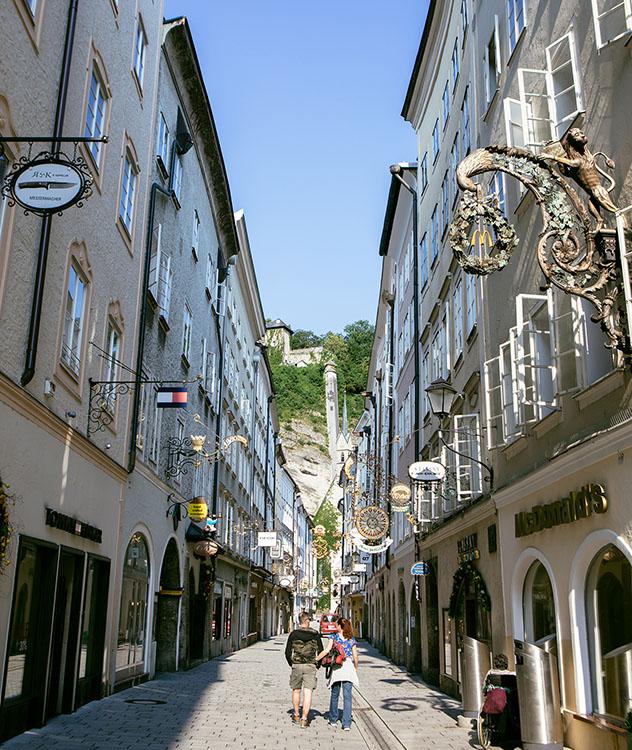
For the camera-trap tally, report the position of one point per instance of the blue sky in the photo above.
(307, 99)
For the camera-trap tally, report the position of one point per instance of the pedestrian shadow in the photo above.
(392, 681)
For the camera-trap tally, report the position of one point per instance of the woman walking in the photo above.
(346, 676)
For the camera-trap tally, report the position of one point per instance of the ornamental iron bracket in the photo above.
(576, 252)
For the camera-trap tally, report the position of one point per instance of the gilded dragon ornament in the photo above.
(575, 251)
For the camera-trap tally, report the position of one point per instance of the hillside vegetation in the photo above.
(301, 391)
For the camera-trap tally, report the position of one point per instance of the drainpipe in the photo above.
(44, 239)
(221, 340)
(140, 350)
(265, 484)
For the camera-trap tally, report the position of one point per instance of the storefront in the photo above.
(566, 551)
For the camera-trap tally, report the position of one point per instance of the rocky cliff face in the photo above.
(308, 462)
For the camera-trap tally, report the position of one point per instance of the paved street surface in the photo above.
(243, 700)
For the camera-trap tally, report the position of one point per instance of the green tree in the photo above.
(302, 339)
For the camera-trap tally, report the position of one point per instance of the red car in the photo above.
(328, 624)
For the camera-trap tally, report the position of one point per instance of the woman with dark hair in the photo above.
(346, 675)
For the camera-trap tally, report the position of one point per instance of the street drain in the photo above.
(145, 701)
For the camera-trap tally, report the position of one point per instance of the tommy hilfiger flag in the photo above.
(171, 397)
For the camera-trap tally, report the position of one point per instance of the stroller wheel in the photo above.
(484, 730)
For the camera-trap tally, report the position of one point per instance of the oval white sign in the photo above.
(47, 185)
(426, 471)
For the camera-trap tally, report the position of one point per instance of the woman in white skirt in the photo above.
(346, 676)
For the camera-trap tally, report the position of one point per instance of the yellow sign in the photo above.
(197, 509)
(591, 498)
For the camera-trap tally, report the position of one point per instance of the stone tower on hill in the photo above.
(278, 334)
(331, 400)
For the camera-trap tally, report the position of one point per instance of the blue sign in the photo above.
(420, 569)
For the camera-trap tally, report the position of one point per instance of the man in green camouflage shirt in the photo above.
(300, 653)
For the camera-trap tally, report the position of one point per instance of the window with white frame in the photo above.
(464, 18)
(187, 332)
(154, 429)
(456, 53)
(140, 49)
(423, 173)
(457, 314)
(435, 142)
(515, 21)
(439, 367)
(176, 177)
(71, 344)
(434, 235)
(491, 64)
(454, 164)
(513, 123)
(551, 97)
(466, 135)
(195, 241)
(209, 281)
(423, 261)
(445, 102)
(612, 18)
(162, 146)
(470, 302)
(445, 203)
(95, 115)
(160, 276)
(466, 442)
(128, 193)
(497, 188)
(111, 364)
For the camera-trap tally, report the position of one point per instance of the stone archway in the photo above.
(168, 610)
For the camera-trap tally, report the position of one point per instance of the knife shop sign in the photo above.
(48, 184)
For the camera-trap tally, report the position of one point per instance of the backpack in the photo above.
(334, 659)
(304, 652)
(495, 701)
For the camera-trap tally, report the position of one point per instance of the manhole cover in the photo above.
(145, 701)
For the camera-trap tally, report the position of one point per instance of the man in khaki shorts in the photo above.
(300, 653)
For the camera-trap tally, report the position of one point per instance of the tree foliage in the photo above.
(302, 339)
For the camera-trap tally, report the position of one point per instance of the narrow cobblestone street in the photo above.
(243, 701)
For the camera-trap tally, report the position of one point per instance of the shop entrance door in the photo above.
(432, 623)
(64, 643)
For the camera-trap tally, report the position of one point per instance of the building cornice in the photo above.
(24, 404)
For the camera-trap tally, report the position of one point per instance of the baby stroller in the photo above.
(499, 718)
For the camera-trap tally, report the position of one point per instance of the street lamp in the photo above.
(441, 396)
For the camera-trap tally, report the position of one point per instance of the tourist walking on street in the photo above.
(300, 652)
(345, 676)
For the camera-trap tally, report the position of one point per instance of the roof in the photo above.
(278, 323)
(420, 56)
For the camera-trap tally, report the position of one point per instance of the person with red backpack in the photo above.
(342, 653)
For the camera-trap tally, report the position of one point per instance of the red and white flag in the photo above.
(171, 397)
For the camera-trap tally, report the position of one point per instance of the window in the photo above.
(491, 65)
(609, 614)
(466, 431)
(196, 234)
(550, 98)
(423, 173)
(176, 177)
(187, 328)
(538, 605)
(464, 18)
(162, 147)
(470, 302)
(154, 427)
(95, 115)
(455, 63)
(423, 261)
(516, 21)
(140, 47)
(466, 137)
(113, 345)
(497, 188)
(435, 142)
(438, 353)
(130, 650)
(128, 194)
(612, 18)
(209, 282)
(434, 235)
(445, 100)
(160, 277)
(513, 123)
(73, 320)
(457, 311)
(445, 203)
(454, 164)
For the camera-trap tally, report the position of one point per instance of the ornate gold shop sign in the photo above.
(591, 498)
(467, 548)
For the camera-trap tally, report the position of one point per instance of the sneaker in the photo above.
(332, 724)
(304, 723)
(347, 729)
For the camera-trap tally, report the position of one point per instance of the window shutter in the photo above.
(219, 303)
(514, 127)
(492, 385)
(568, 341)
(204, 364)
(466, 431)
(497, 50)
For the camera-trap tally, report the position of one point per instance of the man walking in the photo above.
(300, 653)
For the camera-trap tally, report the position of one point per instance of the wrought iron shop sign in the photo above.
(579, 504)
(48, 184)
(73, 526)
(426, 471)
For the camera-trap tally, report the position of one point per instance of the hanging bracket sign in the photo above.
(373, 549)
(48, 184)
(426, 471)
(421, 568)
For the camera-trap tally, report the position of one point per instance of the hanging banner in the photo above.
(373, 549)
(171, 397)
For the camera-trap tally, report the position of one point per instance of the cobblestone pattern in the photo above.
(243, 700)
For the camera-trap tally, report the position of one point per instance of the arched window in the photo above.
(130, 652)
(538, 605)
(609, 613)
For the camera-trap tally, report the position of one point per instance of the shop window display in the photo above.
(130, 652)
(539, 605)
